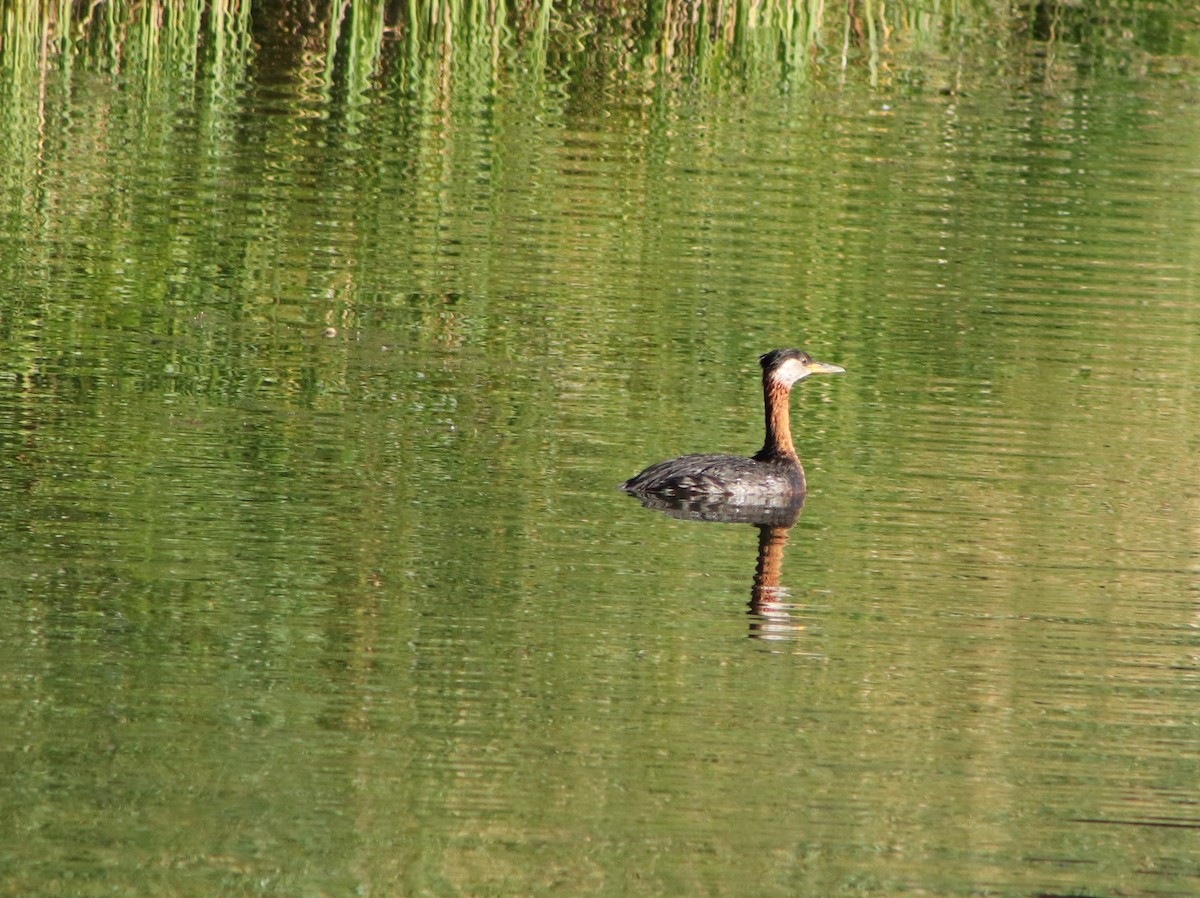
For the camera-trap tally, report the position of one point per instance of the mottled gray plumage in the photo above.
(717, 475)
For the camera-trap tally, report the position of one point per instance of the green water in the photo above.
(312, 407)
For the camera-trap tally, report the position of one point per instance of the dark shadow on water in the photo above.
(772, 614)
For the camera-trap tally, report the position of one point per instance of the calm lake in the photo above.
(315, 396)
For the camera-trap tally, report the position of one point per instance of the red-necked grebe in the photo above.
(773, 473)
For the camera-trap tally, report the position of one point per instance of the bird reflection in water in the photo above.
(773, 616)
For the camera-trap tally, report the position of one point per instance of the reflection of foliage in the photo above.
(247, 235)
(676, 40)
(435, 85)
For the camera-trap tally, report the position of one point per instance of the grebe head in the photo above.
(786, 366)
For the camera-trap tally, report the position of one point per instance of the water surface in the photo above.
(317, 578)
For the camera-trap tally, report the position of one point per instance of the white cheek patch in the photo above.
(791, 371)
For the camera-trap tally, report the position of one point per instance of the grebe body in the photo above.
(773, 473)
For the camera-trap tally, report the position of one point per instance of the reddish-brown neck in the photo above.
(778, 444)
